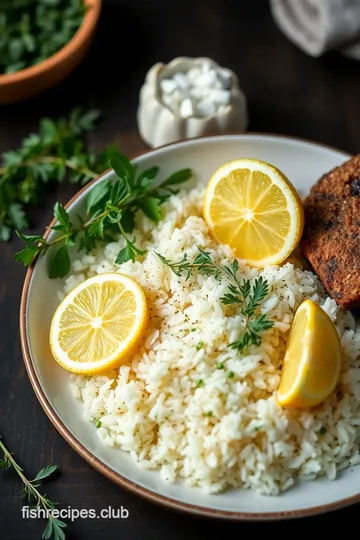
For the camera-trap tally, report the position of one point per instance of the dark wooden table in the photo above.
(288, 93)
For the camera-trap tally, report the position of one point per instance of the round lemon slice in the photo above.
(251, 206)
(99, 324)
(312, 361)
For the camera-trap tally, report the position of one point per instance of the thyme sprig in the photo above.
(111, 207)
(240, 293)
(31, 494)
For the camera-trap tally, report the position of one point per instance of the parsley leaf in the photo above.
(59, 263)
(125, 254)
(177, 178)
(111, 207)
(123, 168)
(128, 220)
(26, 255)
(97, 195)
(129, 252)
(145, 179)
(96, 228)
(151, 208)
(62, 216)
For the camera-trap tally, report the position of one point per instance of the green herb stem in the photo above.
(54, 527)
(240, 293)
(121, 228)
(55, 153)
(8, 456)
(56, 160)
(111, 208)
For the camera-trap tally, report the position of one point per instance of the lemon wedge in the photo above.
(251, 206)
(98, 324)
(312, 360)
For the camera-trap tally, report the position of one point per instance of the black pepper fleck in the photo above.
(328, 225)
(355, 187)
(332, 264)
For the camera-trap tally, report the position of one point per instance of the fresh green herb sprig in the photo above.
(54, 153)
(111, 208)
(33, 30)
(240, 293)
(30, 493)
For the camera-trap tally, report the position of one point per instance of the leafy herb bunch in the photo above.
(33, 30)
(54, 153)
(111, 207)
(240, 294)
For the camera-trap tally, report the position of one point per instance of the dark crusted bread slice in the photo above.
(331, 239)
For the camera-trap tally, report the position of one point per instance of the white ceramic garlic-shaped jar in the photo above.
(160, 122)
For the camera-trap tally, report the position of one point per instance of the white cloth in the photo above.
(318, 26)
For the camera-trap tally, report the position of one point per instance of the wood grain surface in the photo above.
(288, 92)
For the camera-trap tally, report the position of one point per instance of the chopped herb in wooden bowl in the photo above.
(33, 30)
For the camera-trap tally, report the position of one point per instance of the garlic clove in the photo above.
(181, 81)
(225, 75)
(206, 107)
(193, 75)
(220, 97)
(207, 79)
(198, 93)
(167, 86)
(186, 108)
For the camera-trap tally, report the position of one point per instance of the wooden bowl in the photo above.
(30, 81)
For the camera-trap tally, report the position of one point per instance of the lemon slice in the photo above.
(312, 360)
(99, 324)
(251, 206)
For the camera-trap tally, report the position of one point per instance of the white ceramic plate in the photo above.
(303, 162)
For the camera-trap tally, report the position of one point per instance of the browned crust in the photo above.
(331, 240)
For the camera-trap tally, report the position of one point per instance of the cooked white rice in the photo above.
(226, 432)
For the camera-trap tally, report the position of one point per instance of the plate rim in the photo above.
(86, 454)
